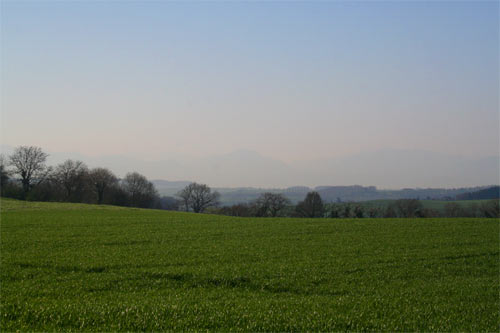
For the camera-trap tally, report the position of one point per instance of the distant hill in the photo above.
(231, 196)
(388, 168)
(488, 193)
(170, 188)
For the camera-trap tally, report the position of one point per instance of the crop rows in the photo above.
(81, 267)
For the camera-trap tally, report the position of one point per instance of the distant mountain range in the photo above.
(387, 168)
(230, 196)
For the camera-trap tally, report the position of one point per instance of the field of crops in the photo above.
(83, 267)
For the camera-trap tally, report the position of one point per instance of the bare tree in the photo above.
(203, 197)
(185, 196)
(408, 207)
(271, 204)
(102, 179)
(141, 191)
(198, 197)
(4, 174)
(71, 176)
(29, 163)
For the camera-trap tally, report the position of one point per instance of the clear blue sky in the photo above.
(293, 80)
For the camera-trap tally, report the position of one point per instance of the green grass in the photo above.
(8, 205)
(71, 267)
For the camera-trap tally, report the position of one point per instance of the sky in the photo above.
(295, 81)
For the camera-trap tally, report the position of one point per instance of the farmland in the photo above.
(80, 267)
(437, 205)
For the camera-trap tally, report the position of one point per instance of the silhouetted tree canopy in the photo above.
(102, 180)
(312, 206)
(4, 174)
(72, 176)
(29, 163)
(198, 197)
(24, 175)
(142, 192)
(271, 204)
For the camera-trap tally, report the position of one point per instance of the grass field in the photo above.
(83, 267)
(438, 205)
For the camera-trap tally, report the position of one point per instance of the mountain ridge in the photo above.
(387, 168)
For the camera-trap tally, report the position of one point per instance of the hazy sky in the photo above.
(292, 80)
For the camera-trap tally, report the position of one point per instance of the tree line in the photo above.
(313, 207)
(25, 175)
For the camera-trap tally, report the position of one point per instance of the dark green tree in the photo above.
(312, 206)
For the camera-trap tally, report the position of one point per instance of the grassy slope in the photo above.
(8, 205)
(77, 267)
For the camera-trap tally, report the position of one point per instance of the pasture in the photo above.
(437, 205)
(96, 268)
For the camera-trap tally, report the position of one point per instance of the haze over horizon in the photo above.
(385, 169)
(266, 94)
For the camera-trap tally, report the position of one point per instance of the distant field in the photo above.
(71, 267)
(438, 205)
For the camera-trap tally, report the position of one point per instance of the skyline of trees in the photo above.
(25, 175)
(29, 163)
